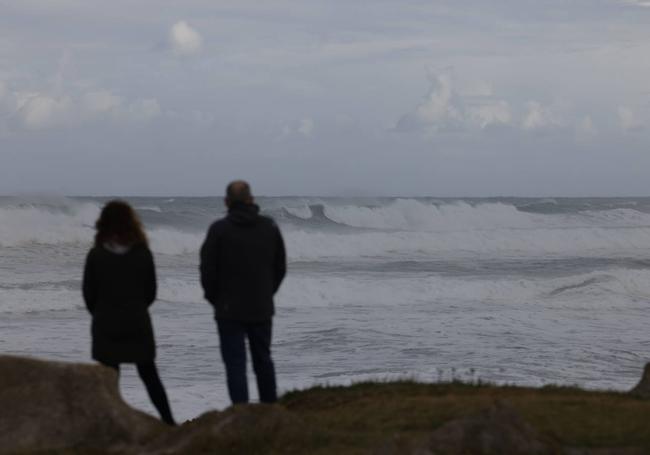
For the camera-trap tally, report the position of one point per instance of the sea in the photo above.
(523, 291)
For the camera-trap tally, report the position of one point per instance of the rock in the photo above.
(496, 430)
(642, 389)
(256, 425)
(55, 405)
(605, 451)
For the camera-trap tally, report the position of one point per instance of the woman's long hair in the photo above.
(118, 223)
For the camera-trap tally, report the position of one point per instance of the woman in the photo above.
(119, 285)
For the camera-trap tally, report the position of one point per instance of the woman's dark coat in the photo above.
(118, 290)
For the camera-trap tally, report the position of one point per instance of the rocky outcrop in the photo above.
(257, 425)
(56, 405)
(642, 389)
(498, 429)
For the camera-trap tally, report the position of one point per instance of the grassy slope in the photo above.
(361, 418)
(364, 417)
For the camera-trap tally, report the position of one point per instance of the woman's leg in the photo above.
(149, 375)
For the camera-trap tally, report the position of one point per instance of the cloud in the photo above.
(644, 3)
(306, 127)
(628, 120)
(143, 109)
(586, 127)
(303, 127)
(37, 111)
(105, 102)
(43, 110)
(492, 112)
(102, 101)
(184, 40)
(539, 117)
(447, 109)
(440, 110)
(585, 131)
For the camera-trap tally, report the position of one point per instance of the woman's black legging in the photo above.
(149, 375)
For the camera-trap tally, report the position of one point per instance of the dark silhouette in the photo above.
(119, 285)
(242, 265)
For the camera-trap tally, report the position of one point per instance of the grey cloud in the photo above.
(81, 85)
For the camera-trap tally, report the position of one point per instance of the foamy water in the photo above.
(525, 291)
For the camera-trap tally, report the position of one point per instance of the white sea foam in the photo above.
(303, 211)
(599, 289)
(20, 225)
(411, 214)
(305, 245)
(150, 208)
(417, 230)
(25, 301)
(594, 290)
(174, 242)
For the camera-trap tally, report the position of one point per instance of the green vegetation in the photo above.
(367, 417)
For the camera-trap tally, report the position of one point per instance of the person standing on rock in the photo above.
(243, 263)
(119, 286)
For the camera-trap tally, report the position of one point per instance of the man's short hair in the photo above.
(239, 191)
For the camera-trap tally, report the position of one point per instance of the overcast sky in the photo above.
(442, 98)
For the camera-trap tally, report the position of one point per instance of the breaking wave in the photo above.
(397, 228)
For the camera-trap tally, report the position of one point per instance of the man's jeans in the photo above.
(232, 336)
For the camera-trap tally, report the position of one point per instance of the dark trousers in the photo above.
(232, 336)
(149, 375)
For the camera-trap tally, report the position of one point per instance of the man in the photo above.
(243, 262)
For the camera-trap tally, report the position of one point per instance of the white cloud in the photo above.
(184, 40)
(491, 113)
(144, 109)
(585, 130)
(628, 120)
(539, 117)
(446, 108)
(303, 127)
(586, 127)
(42, 110)
(440, 110)
(645, 3)
(36, 110)
(102, 101)
(306, 127)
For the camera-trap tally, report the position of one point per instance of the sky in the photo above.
(330, 97)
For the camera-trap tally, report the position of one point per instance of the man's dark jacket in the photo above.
(118, 290)
(243, 262)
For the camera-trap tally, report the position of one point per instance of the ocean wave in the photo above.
(597, 289)
(633, 242)
(400, 228)
(149, 208)
(612, 288)
(25, 223)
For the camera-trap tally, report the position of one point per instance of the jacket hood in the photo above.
(117, 248)
(244, 214)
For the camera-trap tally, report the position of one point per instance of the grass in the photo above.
(361, 418)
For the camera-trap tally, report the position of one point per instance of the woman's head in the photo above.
(118, 223)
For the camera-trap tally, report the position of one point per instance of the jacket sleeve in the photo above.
(209, 267)
(150, 278)
(89, 285)
(280, 266)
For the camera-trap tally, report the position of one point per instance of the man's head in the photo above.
(238, 191)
